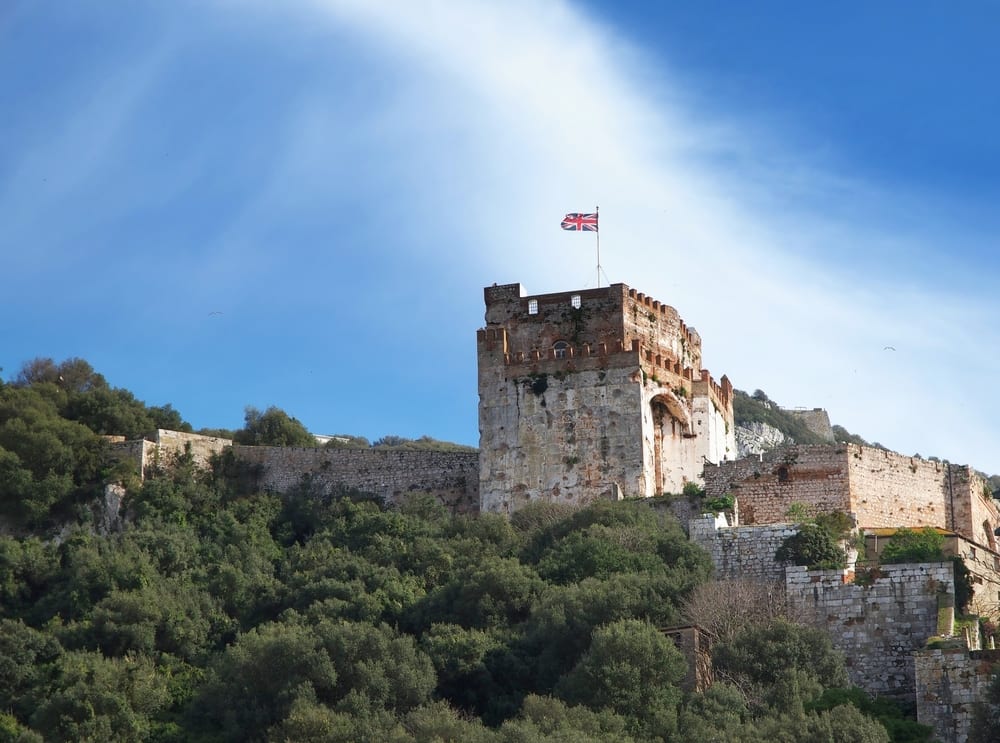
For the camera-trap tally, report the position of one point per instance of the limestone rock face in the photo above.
(757, 438)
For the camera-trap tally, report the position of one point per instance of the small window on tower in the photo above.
(532, 306)
(560, 349)
(575, 301)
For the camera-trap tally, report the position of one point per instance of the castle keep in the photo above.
(593, 394)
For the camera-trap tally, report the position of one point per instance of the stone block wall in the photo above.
(949, 681)
(766, 486)
(890, 489)
(166, 446)
(879, 626)
(982, 562)
(390, 474)
(741, 551)
(592, 394)
(880, 488)
(169, 444)
(696, 647)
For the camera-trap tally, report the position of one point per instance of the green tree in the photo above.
(459, 657)
(26, 656)
(257, 680)
(633, 669)
(544, 719)
(914, 545)
(780, 665)
(813, 546)
(97, 698)
(386, 669)
(273, 427)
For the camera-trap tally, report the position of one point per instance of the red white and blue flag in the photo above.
(585, 222)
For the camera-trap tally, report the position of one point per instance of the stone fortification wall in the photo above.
(169, 444)
(741, 551)
(977, 513)
(880, 488)
(566, 436)
(889, 489)
(879, 626)
(766, 486)
(816, 420)
(391, 474)
(982, 562)
(949, 681)
(135, 451)
(592, 394)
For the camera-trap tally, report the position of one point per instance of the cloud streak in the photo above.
(554, 114)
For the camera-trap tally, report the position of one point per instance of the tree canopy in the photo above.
(219, 613)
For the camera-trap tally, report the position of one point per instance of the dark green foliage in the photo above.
(914, 545)
(222, 613)
(273, 427)
(899, 728)
(963, 584)
(843, 436)
(633, 669)
(91, 697)
(724, 502)
(255, 682)
(813, 546)
(782, 665)
(424, 443)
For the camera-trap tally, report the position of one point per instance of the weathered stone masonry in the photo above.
(880, 488)
(949, 682)
(877, 626)
(391, 474)
(592, 394)
(742, 551)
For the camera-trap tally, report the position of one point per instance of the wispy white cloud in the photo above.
(503, 116)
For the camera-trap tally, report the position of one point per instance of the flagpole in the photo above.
(597, 211)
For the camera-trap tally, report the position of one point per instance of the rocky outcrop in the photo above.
(757, 438)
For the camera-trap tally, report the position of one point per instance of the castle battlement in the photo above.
(607, 379)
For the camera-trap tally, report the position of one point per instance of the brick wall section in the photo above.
(741, 551)
(767, 486)
(949, 681)
(876, 627)
(880, 488)
(391, 474)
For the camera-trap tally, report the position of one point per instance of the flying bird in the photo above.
(889, 348)
(214, 313)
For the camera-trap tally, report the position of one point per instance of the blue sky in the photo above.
(220, 203)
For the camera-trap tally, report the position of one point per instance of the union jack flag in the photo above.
(586, 222)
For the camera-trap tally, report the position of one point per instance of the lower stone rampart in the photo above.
(878, 626)
(741, 551)
(949, 682)
(390, 474)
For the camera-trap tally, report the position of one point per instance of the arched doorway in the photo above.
(671, 423)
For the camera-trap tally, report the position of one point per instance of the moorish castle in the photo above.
(601, 394)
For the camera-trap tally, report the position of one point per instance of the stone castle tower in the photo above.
(597, 393)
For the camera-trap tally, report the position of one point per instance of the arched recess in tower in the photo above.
(671, 423)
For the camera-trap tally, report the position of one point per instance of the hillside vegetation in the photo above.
(223, 614)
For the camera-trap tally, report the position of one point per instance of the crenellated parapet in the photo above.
(608, 380)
